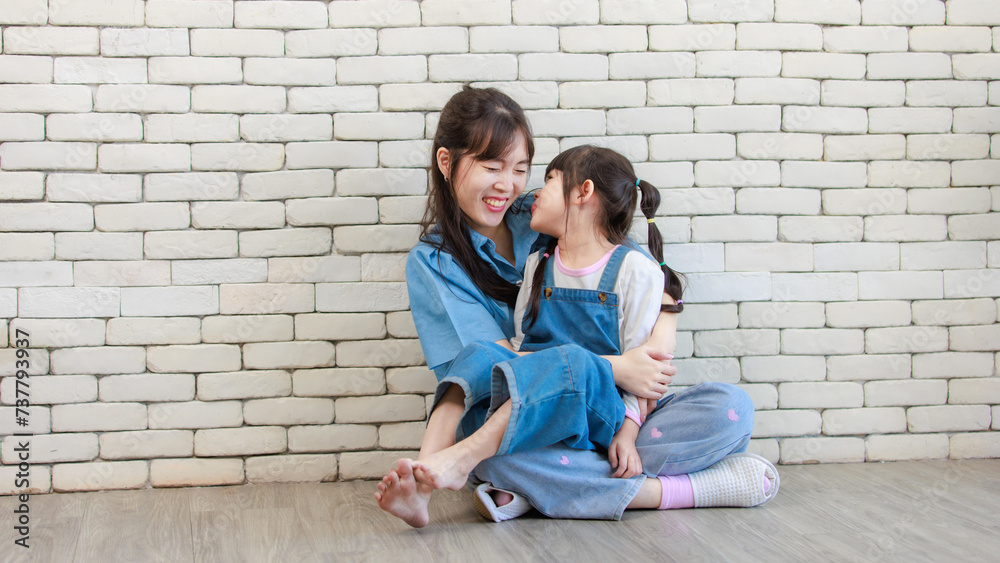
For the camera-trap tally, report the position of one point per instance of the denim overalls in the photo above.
(565, 393)
(570, 316)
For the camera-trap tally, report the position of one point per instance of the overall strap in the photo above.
(611, 270)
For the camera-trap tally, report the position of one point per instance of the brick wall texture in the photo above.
(205, 209)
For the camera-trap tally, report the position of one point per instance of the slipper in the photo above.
(486, 508)
(737, 480)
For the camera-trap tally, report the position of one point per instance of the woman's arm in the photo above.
(664, 336)
(664, 339)
(448, 310)
(645, 371)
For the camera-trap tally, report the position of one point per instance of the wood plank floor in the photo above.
(912, 511)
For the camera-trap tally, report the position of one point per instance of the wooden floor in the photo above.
(914, 511)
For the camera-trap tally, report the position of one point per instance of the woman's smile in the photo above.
(495, 204)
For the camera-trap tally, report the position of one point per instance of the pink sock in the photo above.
(767, 485)
(676, 492)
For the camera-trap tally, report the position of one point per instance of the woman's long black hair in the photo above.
(618, 189)
(482, 123)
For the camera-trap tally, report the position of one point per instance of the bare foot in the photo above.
(501, 498)
(399, 494)
(446, 469)
(450, 467)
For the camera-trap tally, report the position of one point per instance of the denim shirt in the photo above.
(449, 310)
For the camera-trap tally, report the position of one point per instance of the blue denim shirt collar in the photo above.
(524, 239)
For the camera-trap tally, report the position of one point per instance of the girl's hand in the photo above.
(624, 457)
(622, 452)
(643, 371)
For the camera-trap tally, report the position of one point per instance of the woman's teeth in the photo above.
(492, 202)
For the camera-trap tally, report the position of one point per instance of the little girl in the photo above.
(598, 293)
(584, 288)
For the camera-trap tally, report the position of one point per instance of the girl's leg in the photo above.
(694, 441)
(450, 468)
(443, 422)
(566, 394)
(561, 394)
(695, 428)
(467, 386)
(461, 395)
(648, 495)
(664, 492)
(563, 482)
(683, 435)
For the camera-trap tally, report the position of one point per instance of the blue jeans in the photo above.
(561, 394)
(471, 371)
(688, 431)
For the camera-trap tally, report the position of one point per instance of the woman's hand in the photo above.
(646, 406)
(643, 371)
(662, 341)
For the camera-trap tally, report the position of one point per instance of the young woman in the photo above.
(463, 280)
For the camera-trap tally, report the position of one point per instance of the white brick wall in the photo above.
(243, 385)
(205, 209)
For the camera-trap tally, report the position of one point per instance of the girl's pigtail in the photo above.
(649, 203)
(535, 298)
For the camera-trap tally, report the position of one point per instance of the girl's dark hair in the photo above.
(483, 124)
(617, 188)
